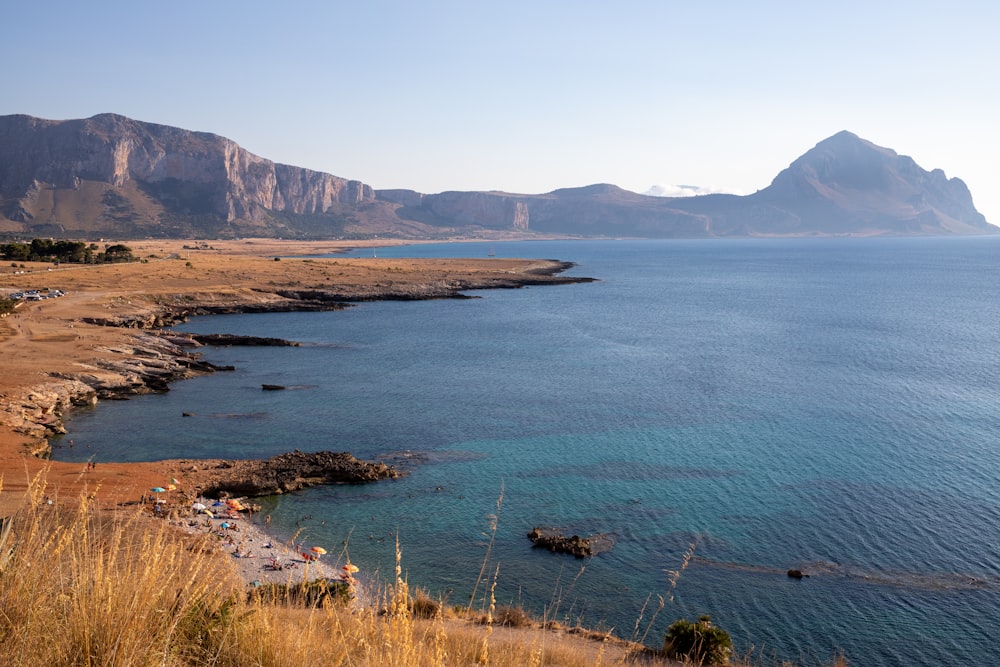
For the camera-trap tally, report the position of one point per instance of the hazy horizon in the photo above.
(529, 97)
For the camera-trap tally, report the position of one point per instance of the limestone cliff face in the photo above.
(490, 210)
(485, 209)
(596, 210)
(193, 172)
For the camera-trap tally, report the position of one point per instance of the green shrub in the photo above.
(701, 642)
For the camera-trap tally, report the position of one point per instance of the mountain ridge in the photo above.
(109, 175)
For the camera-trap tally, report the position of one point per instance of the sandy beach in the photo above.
(258, 556)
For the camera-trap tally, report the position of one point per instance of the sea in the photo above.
(717, 412)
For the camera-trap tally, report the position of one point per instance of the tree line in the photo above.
(72, 252)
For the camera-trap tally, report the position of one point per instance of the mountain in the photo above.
(843, 186)
(847, 184)
(113, 176)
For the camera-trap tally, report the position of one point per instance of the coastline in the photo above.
(103, 339)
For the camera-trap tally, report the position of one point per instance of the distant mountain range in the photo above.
(111, 176)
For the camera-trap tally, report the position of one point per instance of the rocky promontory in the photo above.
(287, 472)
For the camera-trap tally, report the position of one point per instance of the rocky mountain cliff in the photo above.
(112, 176)
(845, 185)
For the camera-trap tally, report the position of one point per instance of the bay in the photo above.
(822, 404)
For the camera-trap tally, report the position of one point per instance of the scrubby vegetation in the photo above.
(700, 642)
(71, 252)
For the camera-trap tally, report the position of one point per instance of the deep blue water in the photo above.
(830, 405)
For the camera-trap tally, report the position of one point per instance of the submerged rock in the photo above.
(554, 541)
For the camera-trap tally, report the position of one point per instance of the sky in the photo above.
(529, 97)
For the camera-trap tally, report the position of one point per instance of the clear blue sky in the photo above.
(529, 96)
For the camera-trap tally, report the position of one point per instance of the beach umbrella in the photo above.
(198, 507)
(224, 525)
(318, 550)
(173, 480)
(350, 568)
(157, 489)
(218, 503)
(171, 487)
(209, 514)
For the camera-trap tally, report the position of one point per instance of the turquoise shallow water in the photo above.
(829, 405)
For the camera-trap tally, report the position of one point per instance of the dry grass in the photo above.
(85, 587)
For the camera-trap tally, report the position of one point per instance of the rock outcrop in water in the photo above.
(290, 472)
(574, 545)
(223, 339)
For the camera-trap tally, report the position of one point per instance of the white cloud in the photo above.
(684, 190)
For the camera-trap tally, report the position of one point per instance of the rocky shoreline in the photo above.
(147, 359)
(147, 363)
(150, 364)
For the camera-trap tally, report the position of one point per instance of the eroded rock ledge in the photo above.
(237, 339)
(288, 472)
(142, 364)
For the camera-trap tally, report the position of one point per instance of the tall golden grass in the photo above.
(79, 586)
